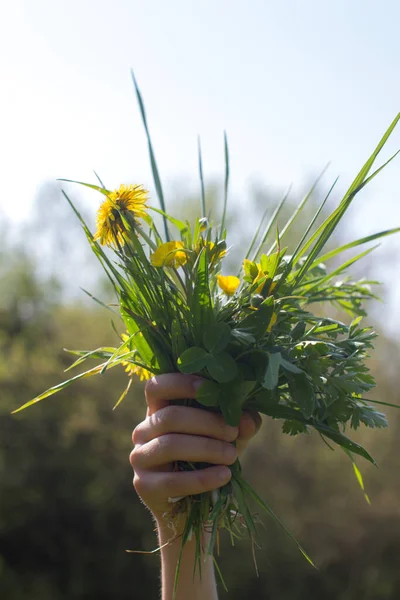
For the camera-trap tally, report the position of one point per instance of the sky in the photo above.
(294, 83)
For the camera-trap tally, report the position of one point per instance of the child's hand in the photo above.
(173, 433)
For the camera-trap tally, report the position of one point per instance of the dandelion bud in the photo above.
(203, 223)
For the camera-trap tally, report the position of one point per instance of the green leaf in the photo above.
(302, 393)
(272, 375)
(298, 330)
(288, 366)
(222, 367)
(201, 304)
(243, 337)
(343, 441)
(208, 394)
(232, 398)
(262, 401)
(369, 416)
(217, 337)
(192, 360)
(257, 322)
(294, 427)
(231, 410)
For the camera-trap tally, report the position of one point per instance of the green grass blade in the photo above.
(226, 184)
(154, 168)
(343, 267)
(257, 233)
(203, 196)
(367, 166)
(57, 388)
(269, 510)
(299, 208)
(271, 224)
(359, 242)
(328, 227)
(99, 180)
(124, 393)
(358, 475)
(104, 353)
(100, 302)
(102, 190)
(383, 403)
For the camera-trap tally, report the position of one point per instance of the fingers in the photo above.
(173, 447)
(160, 390)
(249, 425)
(180, 484)
(184, 419)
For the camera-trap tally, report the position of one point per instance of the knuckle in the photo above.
(139, 484)
(136, 434)
(133, 457)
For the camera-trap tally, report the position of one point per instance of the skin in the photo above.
(170, 433)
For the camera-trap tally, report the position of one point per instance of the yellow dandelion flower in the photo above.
(127, 199)
(228, 284)
(169, 255)
(132, 369)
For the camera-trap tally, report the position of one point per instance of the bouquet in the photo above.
(252, 335)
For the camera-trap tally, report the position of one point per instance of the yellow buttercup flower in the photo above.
(126, 199)
(169, 255)
(228, 284)
(255, 272)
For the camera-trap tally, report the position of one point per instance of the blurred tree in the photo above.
(67, 507)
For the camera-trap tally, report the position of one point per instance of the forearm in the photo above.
(188, 586)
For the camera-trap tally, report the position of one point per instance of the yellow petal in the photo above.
(272, 322)
(169, 255)
(228, 283)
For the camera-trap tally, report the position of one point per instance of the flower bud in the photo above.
(203, 223)
(256, 300)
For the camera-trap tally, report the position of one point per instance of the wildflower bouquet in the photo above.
(253, 337)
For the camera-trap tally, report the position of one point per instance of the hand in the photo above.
(173, 433)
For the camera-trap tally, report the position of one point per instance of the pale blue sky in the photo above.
(294, 83)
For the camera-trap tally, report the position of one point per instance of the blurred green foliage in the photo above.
(67, 507)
